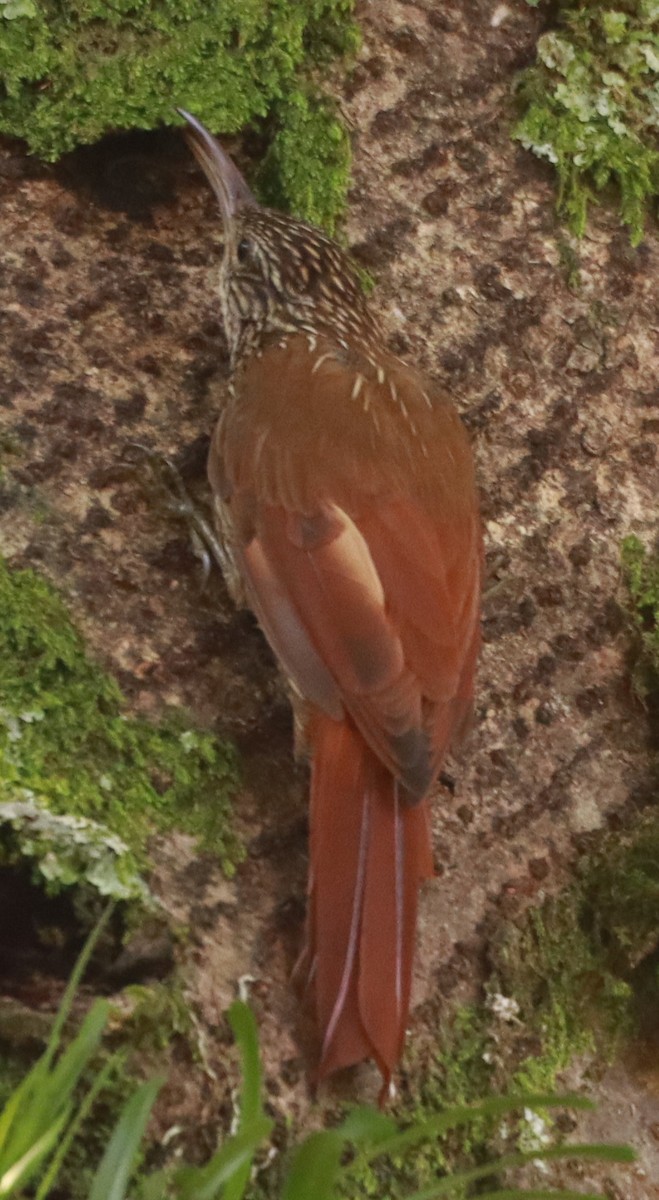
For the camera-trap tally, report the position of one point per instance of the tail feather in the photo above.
(369, 852)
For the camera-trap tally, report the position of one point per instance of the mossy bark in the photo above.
(76, 72)
(82, 785)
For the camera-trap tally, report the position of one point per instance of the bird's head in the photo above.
(278, 274)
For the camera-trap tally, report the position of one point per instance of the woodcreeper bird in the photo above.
(346, 509)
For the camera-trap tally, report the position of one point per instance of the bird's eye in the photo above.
(244, 251)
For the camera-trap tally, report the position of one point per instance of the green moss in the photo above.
(622, 885)
(570, 1001)
(455, 1070)
(570, 264)
(459, 1072)
(157, 1015)
(642, 576)
(590, 107)
(66, 744)
(74, 72)
(308, 163)
(569, 978)
(575, 965)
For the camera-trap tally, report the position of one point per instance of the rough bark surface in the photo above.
(111, 336)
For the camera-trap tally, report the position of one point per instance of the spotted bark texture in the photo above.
(110, 336)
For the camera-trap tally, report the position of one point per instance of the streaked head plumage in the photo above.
(278, 274)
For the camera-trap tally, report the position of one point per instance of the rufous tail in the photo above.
(369, 851)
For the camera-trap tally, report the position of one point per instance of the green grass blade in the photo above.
(111, 1178)
(25, 1116)
(245, 1031)
(66, 1074)
(22, 1169)
(204, 1183)
(539, 1194)
(250, 1106)
(452, 1118)
(9, 1112)
(367, 1126)
(316, 1168)
(51, 1091)
(72, 986)
(81, 1115)
(155, 1186)
(444, 1187)
(43, 1094)
(36, 1105)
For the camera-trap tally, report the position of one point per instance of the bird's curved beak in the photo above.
(224, 177)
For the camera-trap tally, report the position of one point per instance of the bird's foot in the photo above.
(176, 500)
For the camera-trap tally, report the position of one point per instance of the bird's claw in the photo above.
(205, 544)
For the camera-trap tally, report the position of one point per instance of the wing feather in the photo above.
(362, 554)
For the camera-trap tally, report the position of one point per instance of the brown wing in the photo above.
(352, 496)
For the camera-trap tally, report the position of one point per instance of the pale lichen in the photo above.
(67, 851)
(591, 107)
